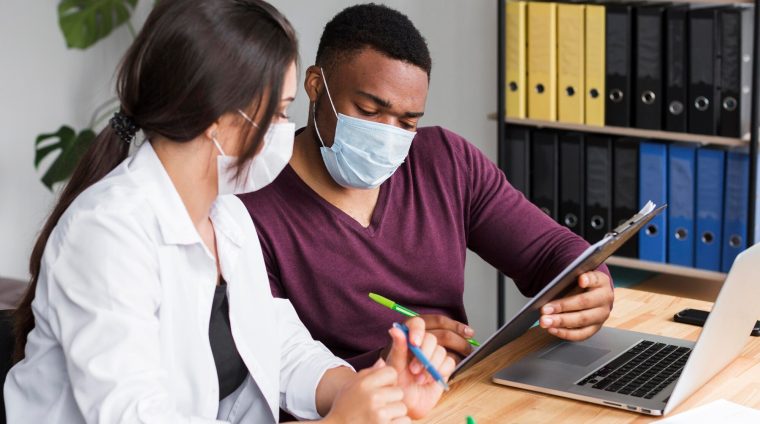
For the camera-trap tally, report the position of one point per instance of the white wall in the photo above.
(43, 85)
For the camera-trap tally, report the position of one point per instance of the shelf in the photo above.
(632, 132)
(666, 268)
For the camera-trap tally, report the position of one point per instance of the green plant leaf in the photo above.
(85, 22)
(71, 145)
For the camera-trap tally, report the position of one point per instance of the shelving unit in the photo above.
(749, 140)
(662, 268)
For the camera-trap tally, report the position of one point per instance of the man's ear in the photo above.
(313, 82)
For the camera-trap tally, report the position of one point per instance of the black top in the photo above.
(229, 365)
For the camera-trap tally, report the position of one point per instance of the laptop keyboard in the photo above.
(642, 371)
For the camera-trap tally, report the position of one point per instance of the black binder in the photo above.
(736, 70)
(571, 174)
(649, 59)
(625, 193)
(676, 67)
(515, 154)
(619, 58)
(598, 192)
(543, 171)
(704, 70)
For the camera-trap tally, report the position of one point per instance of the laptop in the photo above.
(643, 372)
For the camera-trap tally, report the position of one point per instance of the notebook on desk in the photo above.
(643, 372)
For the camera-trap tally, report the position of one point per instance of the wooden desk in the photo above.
(474, 394)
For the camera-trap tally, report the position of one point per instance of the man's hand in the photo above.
(449, 333)
(580, 315)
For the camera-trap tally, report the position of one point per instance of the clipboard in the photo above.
(589, 260)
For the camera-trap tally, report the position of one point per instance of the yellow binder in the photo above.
(596, 67)
(571, 62)
(542, 61)
(515, 60)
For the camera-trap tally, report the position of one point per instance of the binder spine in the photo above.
(677, 69)
(618, 26)
(649, 67)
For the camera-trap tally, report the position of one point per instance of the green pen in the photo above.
(470, 420)
(405, 311)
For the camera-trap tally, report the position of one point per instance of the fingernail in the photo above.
(553, 331)
(417, 340)
(546, 321)
(469, 331)
(548, 309)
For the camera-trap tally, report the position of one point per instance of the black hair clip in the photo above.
(124, 126)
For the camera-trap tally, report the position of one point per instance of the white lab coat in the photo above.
(122, 312)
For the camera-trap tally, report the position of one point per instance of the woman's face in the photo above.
(232, 127)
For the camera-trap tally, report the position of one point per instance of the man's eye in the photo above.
(366, 112)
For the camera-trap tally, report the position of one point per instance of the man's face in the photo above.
(372, 87)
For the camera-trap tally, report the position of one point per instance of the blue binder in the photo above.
(653, 185)
(709, 233)
(681, 182)
(736, 207)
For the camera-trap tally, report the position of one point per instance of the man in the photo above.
(353, 213)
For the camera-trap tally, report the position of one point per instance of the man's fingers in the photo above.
(586, 283)
(577, 319)
(452, 342)
(599, 296)
(593, 279)
(575, 334)
(441, 322)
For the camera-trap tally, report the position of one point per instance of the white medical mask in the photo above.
(364, 153)
(264, 167)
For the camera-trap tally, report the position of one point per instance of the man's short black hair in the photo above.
(379, 27)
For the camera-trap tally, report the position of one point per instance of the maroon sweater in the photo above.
(447, 197)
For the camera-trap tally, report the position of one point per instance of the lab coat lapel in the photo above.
(254, 329)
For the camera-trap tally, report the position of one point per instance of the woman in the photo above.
(149, 299)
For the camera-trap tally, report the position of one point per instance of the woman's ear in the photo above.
(212, 131)
(313, 82)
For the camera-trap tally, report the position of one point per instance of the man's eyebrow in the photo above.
(381, 102)
(386, 104)
(414, 114)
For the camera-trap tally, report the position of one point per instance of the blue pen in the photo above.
(421, 357)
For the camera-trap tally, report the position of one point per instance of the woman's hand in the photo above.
(421, 391)
(371, 397)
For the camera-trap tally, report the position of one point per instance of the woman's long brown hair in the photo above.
(192, 62)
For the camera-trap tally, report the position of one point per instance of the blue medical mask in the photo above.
(364, 153)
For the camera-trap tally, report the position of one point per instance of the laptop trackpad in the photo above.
(574, 354)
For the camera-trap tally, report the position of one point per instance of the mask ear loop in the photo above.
(247, 118)
(316, 127)
(327, 89)
(216, 143)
